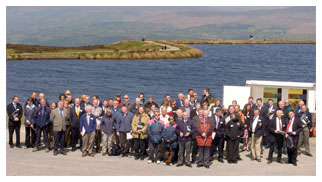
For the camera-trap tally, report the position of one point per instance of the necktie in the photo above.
(280, 125)
(77, 111)
(15, 105)
(288, 126)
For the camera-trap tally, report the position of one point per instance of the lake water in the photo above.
(220, 65)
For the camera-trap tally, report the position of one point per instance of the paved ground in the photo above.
(24, 162)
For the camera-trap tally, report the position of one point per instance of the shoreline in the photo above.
(282, 41)
(124, 50)
(127, 50)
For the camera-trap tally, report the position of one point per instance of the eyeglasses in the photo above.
(157, 115)
(126, 98)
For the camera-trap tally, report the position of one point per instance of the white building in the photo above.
(276, 90)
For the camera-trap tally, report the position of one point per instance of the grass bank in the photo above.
(244, 41)
(119, 50)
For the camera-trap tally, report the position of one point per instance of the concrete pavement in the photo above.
(24, 162)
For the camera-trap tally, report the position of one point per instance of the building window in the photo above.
(272, 93)
(295, 95)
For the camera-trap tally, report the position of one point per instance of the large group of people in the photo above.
(184, 131)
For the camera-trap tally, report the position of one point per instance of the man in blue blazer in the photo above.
(87, 130)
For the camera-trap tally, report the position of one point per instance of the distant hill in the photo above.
(77, 26)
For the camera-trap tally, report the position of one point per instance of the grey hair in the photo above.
(60, 101)
(88, 106)
(279, 111)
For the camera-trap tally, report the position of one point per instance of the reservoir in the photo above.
(220, 65)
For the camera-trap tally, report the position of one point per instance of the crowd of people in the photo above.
(184, 131)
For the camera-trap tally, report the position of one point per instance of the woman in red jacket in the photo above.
(205, 128)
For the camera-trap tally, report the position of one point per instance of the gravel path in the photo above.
(169, 47)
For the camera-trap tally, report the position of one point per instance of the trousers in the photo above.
(256, 146)
(184, 152)
(59, 140)
(88, 142)
(13, 129)
(44, 131)
(204, 155)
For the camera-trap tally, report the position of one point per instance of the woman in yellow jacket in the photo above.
(139, 126)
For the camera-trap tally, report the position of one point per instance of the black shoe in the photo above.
(199, 165)
(142, 158)
(211, 159)
(136, 157)
(235, 161)
(11, 146)
(230, 162)
(294, 164)
(207, 166)
(73, 149)
(18, 146)
(188, 165)
(193, 161)
(178, 165)
(220, 160)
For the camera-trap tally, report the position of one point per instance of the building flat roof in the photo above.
(262, 83)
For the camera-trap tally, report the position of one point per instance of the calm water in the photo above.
(220, 65)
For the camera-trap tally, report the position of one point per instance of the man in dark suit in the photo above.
(206, 97)
(251, 103)
(180, 100)
(186, 107)
(281, 106)
(14, 111)
(150, 103)
(76, 113)
(218, 141)
(96, 97)
(271, 113)
(277, 127)
(86, 101)
(293, 129)
(263, 112)
(33, 96)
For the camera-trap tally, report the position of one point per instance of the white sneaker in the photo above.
(170, 164)
(149, 161)
(158, 162)
(164, 163)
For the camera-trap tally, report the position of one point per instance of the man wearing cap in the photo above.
(118, 98)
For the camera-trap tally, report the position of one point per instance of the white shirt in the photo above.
(88, 118)
(165, 119)
(277, 123)
(270, 109)
(255, 123)
(291, 126)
